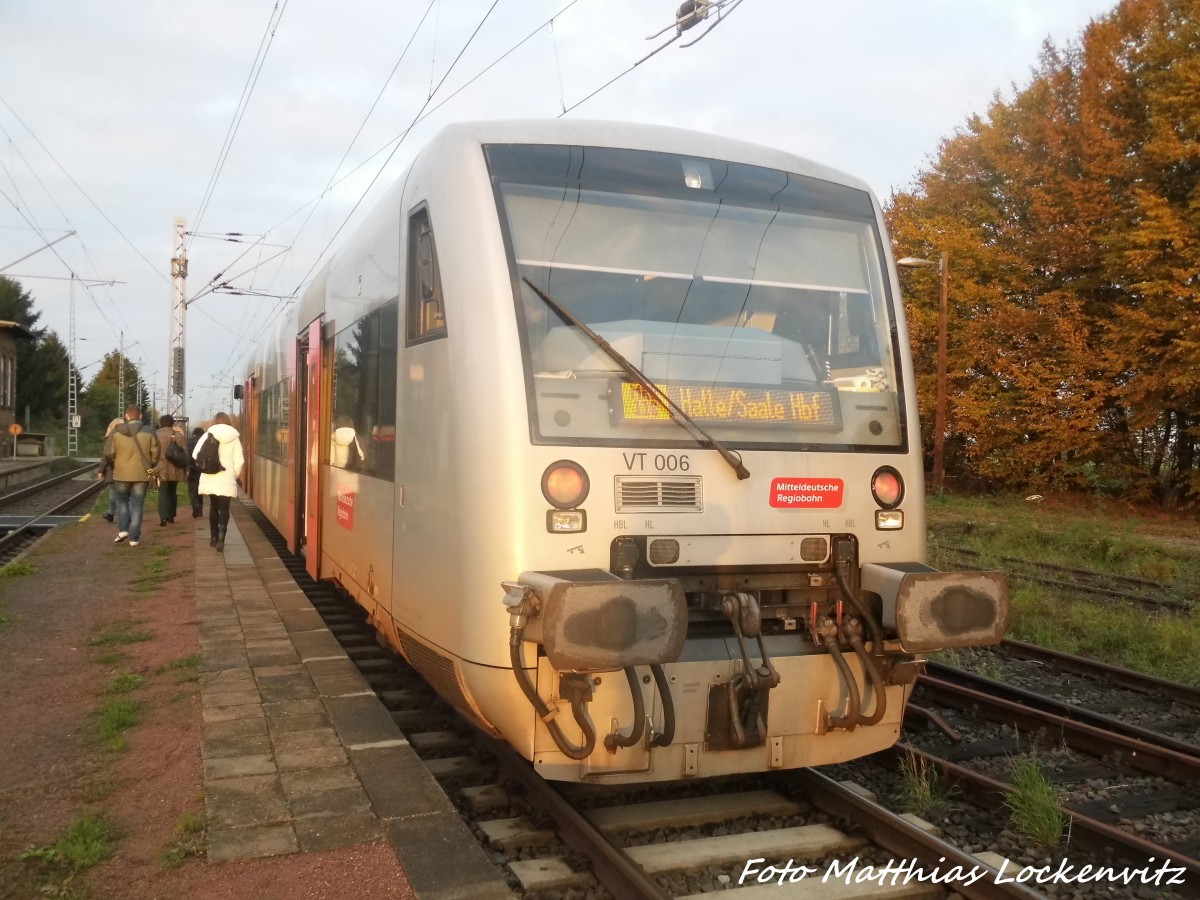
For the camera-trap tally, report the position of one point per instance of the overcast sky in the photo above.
(114, 116)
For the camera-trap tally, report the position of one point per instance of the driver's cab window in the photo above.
(426, 310)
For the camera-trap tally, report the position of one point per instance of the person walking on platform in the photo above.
(193, 479)
(132, 451)
(172, 468)
(105, 474)
(220, 485)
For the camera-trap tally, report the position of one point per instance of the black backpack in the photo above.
(208, 460)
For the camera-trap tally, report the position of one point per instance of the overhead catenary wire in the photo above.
(157, 270)
(329, 184)
(285, 301)
(256, 68)
(102, 280)
(407, 131)
(681, 24)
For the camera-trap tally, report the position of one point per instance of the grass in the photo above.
(1091, 535)
(86, 841)
(121, 631)
(124, 683)
(17, 569)
(184, 669)
(1033, 804)
(922, 789)
(154, 573)
(189, 841)
(117, 715)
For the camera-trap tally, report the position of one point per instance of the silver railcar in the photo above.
(612, 431)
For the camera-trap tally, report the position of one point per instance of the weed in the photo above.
(17, 569)
(1033, 804)
(87, 841)
(189, 841)
(124, 683)
(111, 658)
(921, 787)
(192, 661)
(184, 669)
(123, 631)
(116, 717)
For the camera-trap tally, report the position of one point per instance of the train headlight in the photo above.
(889, 519)
(887, 487)
(566, 521)
(564, 484)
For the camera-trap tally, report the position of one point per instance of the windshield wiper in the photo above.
(702, 437)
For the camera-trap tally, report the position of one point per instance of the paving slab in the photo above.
(299, 754)
(223, 844)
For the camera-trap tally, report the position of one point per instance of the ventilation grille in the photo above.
(437, 670)
(647, 493)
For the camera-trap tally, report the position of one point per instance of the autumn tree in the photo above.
(1072, 216)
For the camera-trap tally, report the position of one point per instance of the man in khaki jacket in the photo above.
(131, 471)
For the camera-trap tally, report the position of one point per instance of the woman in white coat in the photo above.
(222, 486)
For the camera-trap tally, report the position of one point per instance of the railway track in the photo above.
(1141, 591)
(1126, 800)
(1108, 697)
(657, 841)
(29, 512)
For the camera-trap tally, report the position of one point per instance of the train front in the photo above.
(720, 392)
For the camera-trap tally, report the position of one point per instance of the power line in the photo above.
(361, 126)
(41, 233)
(416, 118)
(260, 59)
(682, 22)
(95, 206)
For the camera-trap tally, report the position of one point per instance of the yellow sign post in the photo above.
(14, 429)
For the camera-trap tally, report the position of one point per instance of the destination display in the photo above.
(733, 405)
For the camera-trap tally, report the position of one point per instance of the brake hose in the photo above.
(544, 712)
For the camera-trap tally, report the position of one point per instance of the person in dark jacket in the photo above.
(193, 479)
(168, 496)
(131, 450)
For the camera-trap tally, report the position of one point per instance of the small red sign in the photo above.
(806, 493)
(345, 510)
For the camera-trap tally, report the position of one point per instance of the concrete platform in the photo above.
(299, 754)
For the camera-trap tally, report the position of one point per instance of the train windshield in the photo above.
(754, 298)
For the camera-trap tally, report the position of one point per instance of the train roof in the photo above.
(635, 136)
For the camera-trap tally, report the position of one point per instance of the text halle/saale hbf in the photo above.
(730, 404)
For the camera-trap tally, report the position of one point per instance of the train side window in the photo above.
(426, 311)
(273, 421)
(363, 437)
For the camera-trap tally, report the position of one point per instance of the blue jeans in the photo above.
(131, 501)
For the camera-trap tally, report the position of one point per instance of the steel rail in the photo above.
(1032, 699)
(622, 876)
(905, 839)
(1086, 833)
(11, 538)
(1186, 694)
(1152, 602)
(30, 489)
(1090, 740)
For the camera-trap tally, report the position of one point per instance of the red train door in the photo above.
(313, 408)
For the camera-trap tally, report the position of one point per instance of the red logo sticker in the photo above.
(345, 510)
(806, 493)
